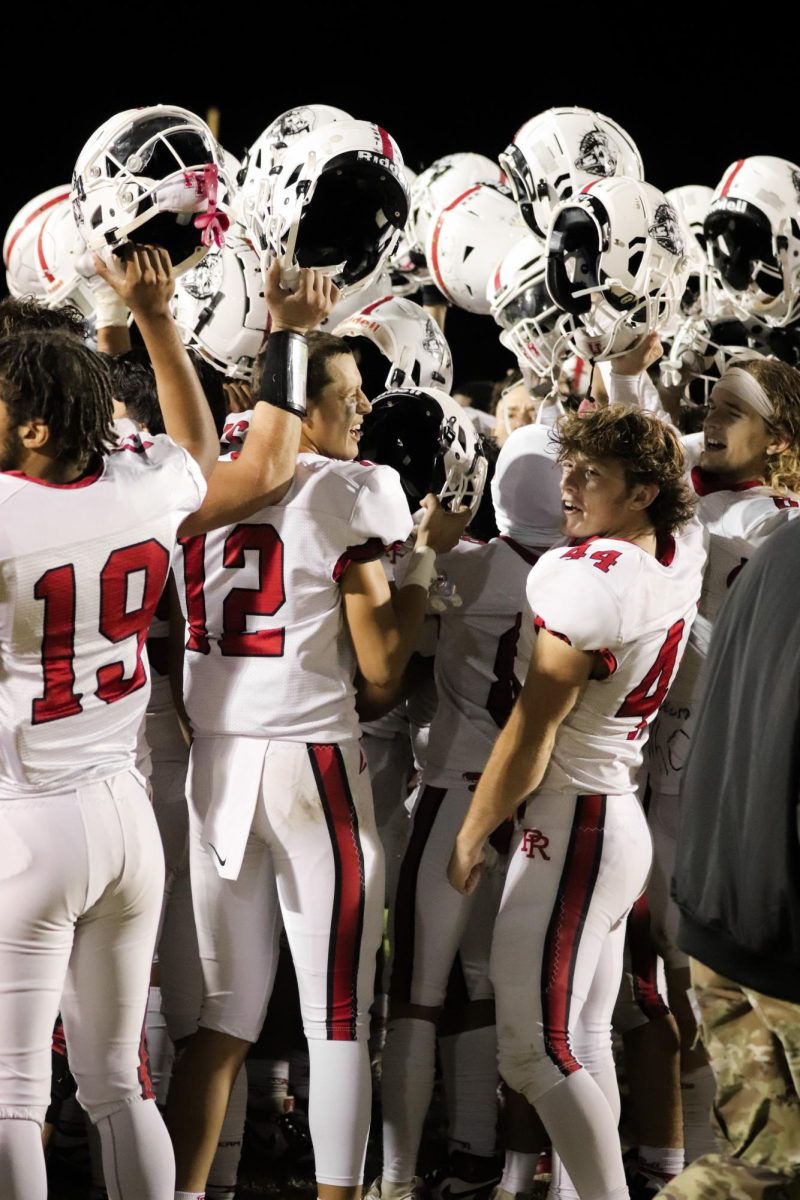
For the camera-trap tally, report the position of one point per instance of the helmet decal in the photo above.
(597, 154)
(666, 230)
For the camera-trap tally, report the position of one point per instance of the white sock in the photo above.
(160, 1049)
(340, 1105)
(221, 1183)
(518, 1172)
(698, 1089)
(584, 1134)
(663, 1162)
(469, 1065)
(561, 1186)
(268, 1084)
(22, 1167)
(409, 1059)
(190, 1196)
(137, 1153)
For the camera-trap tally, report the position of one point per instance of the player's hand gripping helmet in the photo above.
(467, 238)
(220, 310)
(753, 237)
(555, 154)
(152, 175)
(335, 199)
(520, 304)
(440, 183)
(431, 443)
(616, 263)
(20, 246)
(402, 332)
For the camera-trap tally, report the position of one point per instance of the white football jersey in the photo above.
(478, 677)
(267, 653)
(635, 611)
(82, 567)
(738, 519)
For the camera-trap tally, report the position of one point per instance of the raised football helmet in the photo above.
(220, 310)
(753, 237)
(467, 238)
(279, 134)
(153, 175)
(520, 304)
(408, 337)
(699, 354)
(20, 257)
(431, 443)
(555, 154)
(616, 262)
(440, 183)
(335, 199)
(58, 248)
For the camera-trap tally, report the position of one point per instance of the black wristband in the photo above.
(282, 381)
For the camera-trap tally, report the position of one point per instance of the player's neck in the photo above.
(50, 468)
(642, 535)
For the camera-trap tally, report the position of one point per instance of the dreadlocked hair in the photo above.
(18, 314)
(781, 383)
(647, 449)
(56, 378)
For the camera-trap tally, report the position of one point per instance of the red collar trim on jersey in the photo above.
(705, 484)
(84, 481)
(530, 556)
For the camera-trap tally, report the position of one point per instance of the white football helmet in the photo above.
(467, 238)
(430, 441)
(335, 199)
(753, 237)
(411, 340)
(220, 310)
(440, 183)
(58, 248)
(699, 355)
(616, 262)
(407, 267)
(555, 154)
(520, 304)
(279, 134)
(345, 306)
(20, 257)
(160, 167)
(704, 296)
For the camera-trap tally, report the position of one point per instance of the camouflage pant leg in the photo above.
(753, 1045)
(717, 1177)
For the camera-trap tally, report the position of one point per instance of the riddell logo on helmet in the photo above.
(728, 204)
(380, 160)
(365, 323)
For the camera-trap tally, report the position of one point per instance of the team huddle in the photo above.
(292, 638)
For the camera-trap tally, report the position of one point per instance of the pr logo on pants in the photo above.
(533, 840)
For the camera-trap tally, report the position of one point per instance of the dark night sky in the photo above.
(694, 97)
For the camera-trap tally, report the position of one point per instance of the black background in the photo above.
(697, 88)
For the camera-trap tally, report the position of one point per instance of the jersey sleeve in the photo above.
(571, 599)
(380, 510)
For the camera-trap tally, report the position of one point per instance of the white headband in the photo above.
(745, 387)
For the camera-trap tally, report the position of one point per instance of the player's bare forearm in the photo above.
(384, 629)
(113, 340)
(373, 702)
(260, 476)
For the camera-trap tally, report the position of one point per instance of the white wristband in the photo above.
(109, 308)
(421, 569)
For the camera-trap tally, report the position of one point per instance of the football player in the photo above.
(612, 614)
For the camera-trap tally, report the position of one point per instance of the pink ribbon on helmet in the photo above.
(212, 222)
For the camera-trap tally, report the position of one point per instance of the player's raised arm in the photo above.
(263, 471)
(145, 283)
